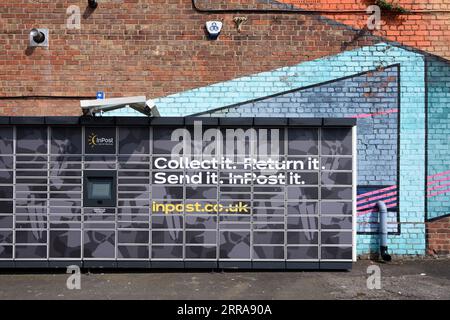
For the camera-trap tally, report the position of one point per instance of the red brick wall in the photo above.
(428, 31)
(438, 236)
(426, 27)
(145, 47)
(159, 47)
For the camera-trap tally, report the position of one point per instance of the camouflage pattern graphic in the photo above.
(65, 141)
(164, 222)
(6, 140)
(336, 193)
(336, 163)
(31, 175)
(6, 196)
(65, 244)
(330, 222)
(99, 244)
(336, 253)
(201, 252)
(27, 251)
(167, 192)
(201, 192)
(42, 214)
(6, 252)
(167, 236)
(164, 252)
(65, 193)
(133, 252)
(31, 140)
(162, 142)
(268, 253)
(303, 237)
(134, 141)
(302, 253)
(341, 178)
(6, 192)
(303, 142)
(6, 222)
(6, 236)
(336, 237)
(133, 236)
(6, 162)
(235, 245)
(336, 141)
(208, 222)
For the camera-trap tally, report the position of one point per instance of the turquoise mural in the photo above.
(438, 138)
(410, 191)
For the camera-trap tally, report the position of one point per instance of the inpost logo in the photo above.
(94, 140)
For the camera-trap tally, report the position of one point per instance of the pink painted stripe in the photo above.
(438, 193)
(363, 195)
(437, 181)
(368, 115)
(439, 174)
(360, 213)
(374, 204)
(384, 195)
(439, 187)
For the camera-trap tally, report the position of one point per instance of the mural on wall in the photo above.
(399, 96)
(438, 160)
(371, 98)
(384, 88)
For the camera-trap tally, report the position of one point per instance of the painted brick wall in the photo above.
(372, 98)
(241, 93)
(359, 96)
(158, 48)
(438, 138)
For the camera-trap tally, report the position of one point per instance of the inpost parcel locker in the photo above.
(112, 192)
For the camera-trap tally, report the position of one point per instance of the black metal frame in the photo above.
(179, 121)
(101, 175)
(168, 122)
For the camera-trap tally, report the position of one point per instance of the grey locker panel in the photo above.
(251, 216)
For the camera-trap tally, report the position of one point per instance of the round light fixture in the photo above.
(38, 36)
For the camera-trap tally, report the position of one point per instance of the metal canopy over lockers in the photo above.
(99, 191)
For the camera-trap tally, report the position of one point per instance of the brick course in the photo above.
(426, 27)
(377, 135)
(438, 236)
(147, 47)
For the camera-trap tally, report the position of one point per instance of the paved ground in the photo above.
(420, 279)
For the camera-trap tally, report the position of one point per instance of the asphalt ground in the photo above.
(400, 279)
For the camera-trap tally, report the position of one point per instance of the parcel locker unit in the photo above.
(112, 192)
